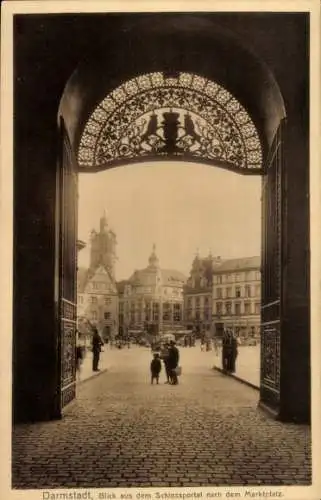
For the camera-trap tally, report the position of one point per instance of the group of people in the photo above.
(169, 354)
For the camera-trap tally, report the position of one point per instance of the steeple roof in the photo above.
(153, 259)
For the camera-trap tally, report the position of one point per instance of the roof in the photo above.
(168, 276)
(85, 275)
(242, 264)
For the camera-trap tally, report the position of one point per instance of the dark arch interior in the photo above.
(216, 53)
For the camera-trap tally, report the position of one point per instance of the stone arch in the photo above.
(226, 65)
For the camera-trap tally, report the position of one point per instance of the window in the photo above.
(107, 301)
(247, 291)
(206, 314)
(257, 275)
(177, 312)
(247, 307)
(219, 308)
(229, 292)
(189, 303)
(80, 299)
(219, 280)
(94, 299)
(228, 308)
(238, 309)
(198, 302)
(93, 314)
(107, 315)
(257, 308)
(257, 290)
(237, 278)
(219, 293)
(206, 301)
(167, 311)
(237, 291)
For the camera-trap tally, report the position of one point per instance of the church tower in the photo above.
(103, 247)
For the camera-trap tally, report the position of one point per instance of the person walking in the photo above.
(173, 360)
(96, 348)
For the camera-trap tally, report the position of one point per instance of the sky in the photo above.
(182, 208)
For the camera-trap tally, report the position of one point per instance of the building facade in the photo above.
(198, 294)
(96, 286)
(151, 300)
(237, 297)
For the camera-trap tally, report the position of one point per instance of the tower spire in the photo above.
(153, 259)
(103, 221)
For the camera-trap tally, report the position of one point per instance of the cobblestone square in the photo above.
(123, 432)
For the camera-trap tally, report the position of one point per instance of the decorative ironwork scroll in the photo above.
(187, 117)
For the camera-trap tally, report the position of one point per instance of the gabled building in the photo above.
(96, 286)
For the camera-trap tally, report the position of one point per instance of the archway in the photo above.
(193, 105)
(186, 117)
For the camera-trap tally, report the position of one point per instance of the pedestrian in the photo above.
(173, 359)
(215, 342)
(226, 351)
(164, 356)
(96, 348)
(155, 368)
(79, 355)
(233, 352)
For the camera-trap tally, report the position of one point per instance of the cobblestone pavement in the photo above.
(123, 432)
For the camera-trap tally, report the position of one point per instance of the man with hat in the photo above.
(173, 359)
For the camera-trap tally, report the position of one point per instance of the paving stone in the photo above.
(123, 432)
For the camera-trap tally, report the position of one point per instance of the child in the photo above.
(155, 368)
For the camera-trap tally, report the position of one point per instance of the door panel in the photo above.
(271, 275)
(68, 204)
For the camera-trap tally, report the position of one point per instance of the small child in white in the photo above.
(155, 368)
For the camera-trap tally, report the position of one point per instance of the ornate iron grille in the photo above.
(154, 116)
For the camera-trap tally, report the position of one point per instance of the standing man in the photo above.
(226, 351)
(96, 347)
(234, 353)
(173, 360)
